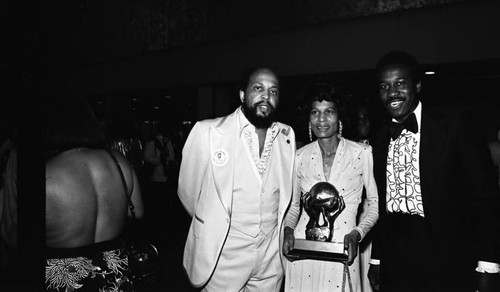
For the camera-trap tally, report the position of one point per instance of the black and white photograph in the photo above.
(281, 146)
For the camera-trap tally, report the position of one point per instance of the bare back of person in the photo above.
(85, 199)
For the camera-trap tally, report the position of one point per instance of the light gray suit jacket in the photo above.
(206, 188)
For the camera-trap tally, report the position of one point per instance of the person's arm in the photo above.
(374, 269)
(292, 215)
(132, 184)
(194, 165)
(494, 148)
(9, 220)
(481, 175)
(136, 196)
(374, 276)
(371, 214)
(8, 145)
(352, 239)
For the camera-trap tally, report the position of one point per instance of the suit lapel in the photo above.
(283, 153)
(223, 137)
(430, 150)
(222, 149)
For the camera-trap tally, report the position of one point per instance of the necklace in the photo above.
(328, 157)
(328, 161)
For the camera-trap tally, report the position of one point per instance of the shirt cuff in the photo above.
(374, 262)
(487, 267)
(360, 233)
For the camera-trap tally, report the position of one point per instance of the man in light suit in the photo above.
(439, 223)
(236, 182)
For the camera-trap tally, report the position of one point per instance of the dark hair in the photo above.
(400, 58)
(70, 123)
(323, 91)
(248, 72)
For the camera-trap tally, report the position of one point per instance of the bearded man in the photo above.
(236, 182)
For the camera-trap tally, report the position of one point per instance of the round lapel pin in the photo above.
(220, 157)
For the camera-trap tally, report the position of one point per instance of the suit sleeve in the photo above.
(479, 171)
(194, 165)
(292, 215)
(379, 172)
(375, 252)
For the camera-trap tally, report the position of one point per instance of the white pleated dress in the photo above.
(350, 173)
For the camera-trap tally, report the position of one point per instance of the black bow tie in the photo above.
(410, 124)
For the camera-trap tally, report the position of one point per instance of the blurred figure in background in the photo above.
(8, 204)
(124, 137)
(363, 124)
(159, 158)
(494, 147)
(160, 197)
(87, 196)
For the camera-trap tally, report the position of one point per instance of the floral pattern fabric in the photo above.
(261, 161)
(106, 271)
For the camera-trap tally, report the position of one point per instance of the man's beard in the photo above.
(260, 122)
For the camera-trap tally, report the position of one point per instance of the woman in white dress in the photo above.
(348, 166)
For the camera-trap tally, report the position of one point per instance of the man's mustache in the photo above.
(264, 102)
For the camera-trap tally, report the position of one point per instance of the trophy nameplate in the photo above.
(323, 205)
(318, 250)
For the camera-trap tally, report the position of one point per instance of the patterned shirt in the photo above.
(252, 139)
(403, 193)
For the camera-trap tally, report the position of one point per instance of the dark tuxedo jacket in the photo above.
(460, 197)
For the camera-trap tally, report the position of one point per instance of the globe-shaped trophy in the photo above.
(323, 205)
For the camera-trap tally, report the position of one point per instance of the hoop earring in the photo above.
(340, 129)
(310, 133)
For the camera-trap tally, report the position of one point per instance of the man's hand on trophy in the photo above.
(288, 241)
(351, 241)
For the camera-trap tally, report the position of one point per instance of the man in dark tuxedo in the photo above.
(439, 202)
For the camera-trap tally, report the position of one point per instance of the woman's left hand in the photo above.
(288, 240)
(351, 241)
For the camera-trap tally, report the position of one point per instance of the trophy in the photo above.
(323, 204)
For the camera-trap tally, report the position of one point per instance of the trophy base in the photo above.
(318, 250)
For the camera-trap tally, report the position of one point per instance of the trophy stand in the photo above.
(318, 250)
(323, 204)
